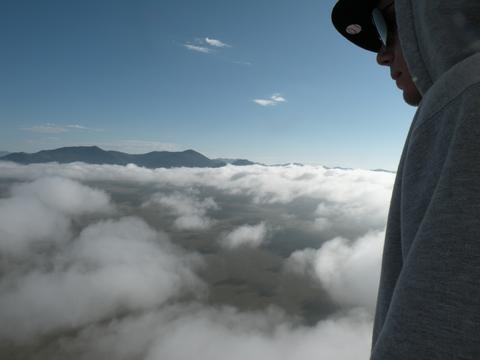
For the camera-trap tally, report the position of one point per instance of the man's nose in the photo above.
(385, 56)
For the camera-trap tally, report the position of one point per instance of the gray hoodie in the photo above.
(429, 298)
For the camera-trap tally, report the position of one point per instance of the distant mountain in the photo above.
(288, 164)
(383, 170)
(237, 162)
(95, 155)
(3, 153)
(337, 168)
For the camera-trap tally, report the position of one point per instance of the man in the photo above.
(428, 303)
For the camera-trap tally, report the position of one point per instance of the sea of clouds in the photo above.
(123, 262)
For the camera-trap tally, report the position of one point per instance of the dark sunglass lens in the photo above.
(381, 25)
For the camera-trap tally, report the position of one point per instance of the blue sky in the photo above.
(266, 80)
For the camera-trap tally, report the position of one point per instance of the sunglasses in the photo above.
(381, 25)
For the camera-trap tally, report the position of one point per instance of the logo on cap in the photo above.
(353, 29)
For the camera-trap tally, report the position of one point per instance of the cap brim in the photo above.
(353, 19)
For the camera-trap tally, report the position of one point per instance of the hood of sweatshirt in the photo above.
(435, 35)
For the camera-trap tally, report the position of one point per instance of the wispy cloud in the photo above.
(274, 100)
(265, 102)
(46, 129)
(245, 63)
(79, 127)
(209, 45)
(197, 48)
(278, 98)
(205, 45)
(216, 43)
(50, 128)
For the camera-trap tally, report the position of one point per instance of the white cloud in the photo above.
(46, 129)
(349, 271)
(39, 212)
(265, 102)
(348, 206)
(56, 129)
(64, 195)
(76, 126)
(26, 222)
(112, 266)
(197, 48)
(206, 45)
(190, 211)
(216, 43)
(81, 127)
(278, 98)
(206, 333)
(245, 235)
(262, 336)
(274, 100)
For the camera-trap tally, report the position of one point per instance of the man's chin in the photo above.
(412, 98)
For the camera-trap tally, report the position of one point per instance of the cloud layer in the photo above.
(88, 269)
(112, 266)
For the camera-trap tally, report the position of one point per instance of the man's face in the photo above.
(392, 56)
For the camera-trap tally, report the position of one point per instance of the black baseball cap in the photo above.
(353, 19)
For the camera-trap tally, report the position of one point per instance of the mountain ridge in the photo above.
(96, 155)
(154, 159)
